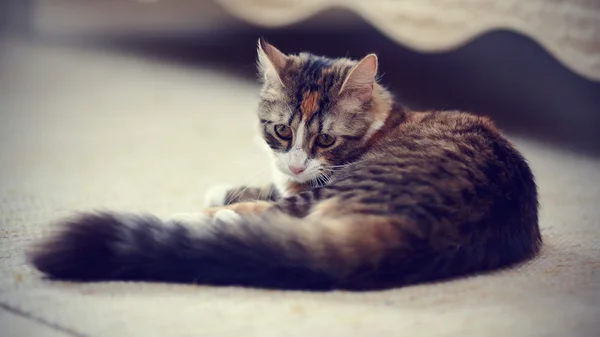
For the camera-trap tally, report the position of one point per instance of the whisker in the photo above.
(240, 191)
(343, 165)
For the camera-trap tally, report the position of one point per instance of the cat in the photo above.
(366, 194)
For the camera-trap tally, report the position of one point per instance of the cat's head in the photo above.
(317, 113)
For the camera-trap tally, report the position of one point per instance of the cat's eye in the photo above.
(325, 140)
(283, 131)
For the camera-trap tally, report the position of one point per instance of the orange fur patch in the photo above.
(359, 237)
(310, 104)
(293, 187)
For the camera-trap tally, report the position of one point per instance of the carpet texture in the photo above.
(83, 130)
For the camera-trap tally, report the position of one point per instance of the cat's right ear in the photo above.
(271, 62)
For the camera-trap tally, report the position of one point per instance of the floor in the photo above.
(84, 128)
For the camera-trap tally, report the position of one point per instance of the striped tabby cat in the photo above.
(366, 195)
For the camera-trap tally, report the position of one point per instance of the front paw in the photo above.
(227, 216)
(217, 195)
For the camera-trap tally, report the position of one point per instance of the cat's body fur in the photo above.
(369, 195)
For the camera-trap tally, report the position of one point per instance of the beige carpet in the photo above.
(81, 130)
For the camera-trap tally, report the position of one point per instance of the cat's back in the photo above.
(444, 138)
(450, 170)
(449, 158)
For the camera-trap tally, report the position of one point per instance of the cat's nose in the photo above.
(296, 170)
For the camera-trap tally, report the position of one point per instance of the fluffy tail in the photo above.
(109, 246)
(271, 251)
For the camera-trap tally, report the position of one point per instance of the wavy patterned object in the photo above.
(568, 29)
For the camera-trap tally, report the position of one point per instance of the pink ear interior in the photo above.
(361, 78)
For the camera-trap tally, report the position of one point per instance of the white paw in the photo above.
(189, 218)
(215, 196)
(227, 215)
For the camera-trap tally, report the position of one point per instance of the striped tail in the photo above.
(269, 251)
(250, 252)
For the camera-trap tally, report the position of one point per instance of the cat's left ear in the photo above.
(361, 78)
(271, 62)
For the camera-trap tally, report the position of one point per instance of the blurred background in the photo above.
(434, 55)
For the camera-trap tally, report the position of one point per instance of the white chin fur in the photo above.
(301, 178)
